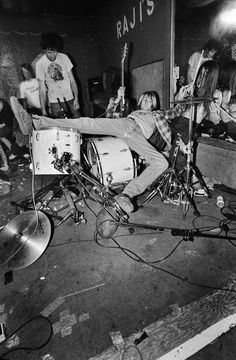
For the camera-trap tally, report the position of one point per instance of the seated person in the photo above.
(208, 109)
(205, 114)
(228, 108)
(29, 90)
(134, 130)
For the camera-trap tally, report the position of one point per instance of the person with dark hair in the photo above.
(29, 90)
(58, 91)
(227, 84)
(209, 52)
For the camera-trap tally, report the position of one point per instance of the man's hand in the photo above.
(120, 93)
(185, 92)
(76, 104)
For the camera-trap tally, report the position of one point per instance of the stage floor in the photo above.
(143, 286)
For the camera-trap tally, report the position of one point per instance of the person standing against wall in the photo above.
(29, 90)
(209, 52)
(58, 90)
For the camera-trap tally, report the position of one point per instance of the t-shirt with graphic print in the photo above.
(56, 75)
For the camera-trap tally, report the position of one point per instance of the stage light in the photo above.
(224, 22)
(228, 17)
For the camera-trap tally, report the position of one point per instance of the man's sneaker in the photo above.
(124, 202)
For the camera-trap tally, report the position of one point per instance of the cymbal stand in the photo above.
(173, 182)
(172, 187)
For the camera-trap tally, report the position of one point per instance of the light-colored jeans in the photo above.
(127, 130)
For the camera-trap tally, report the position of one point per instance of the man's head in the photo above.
(51, 42)
(212, 47)
(149, 101)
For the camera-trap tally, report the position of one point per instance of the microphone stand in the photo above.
(189, 234)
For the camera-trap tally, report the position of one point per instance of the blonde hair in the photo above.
(154, 98)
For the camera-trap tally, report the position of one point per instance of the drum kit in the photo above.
(94, 169)
(109, 165)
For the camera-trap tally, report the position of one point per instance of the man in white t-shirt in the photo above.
(209, 52)
(58, 91)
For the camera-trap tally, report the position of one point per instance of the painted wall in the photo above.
(144, 25)
(20, 42)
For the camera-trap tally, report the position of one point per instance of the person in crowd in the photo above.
(58, 91)
(134, 130)
(227, 84)
(29, 90)
(205, 88)
(205, 114)
(233, 51)
(6, 143)
(210, 52)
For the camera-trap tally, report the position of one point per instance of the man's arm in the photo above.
(43, 96)
(74, 88)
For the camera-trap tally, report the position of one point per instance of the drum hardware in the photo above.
(173, 186)
(111, 216)
(53, 192)
(191, 100)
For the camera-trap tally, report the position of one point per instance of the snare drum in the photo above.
(45, 142)
(111, 160)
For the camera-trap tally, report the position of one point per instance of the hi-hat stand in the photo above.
(175, 186)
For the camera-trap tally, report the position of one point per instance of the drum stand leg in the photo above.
(57, 188)
(172, 183)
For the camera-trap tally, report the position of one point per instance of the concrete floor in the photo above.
(93, 292)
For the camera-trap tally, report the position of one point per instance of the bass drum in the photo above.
(111, 161)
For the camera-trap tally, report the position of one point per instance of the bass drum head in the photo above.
(111, 161)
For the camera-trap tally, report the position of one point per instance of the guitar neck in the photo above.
(122, 80)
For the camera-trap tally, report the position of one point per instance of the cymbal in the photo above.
(24, 239)
(193, 100)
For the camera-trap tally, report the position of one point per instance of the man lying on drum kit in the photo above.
(134, 130)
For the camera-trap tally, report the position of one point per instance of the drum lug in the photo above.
(109, 178)
(37, 166)
(58, 136)
(37, 136)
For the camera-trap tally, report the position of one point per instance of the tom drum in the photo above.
(50, 141)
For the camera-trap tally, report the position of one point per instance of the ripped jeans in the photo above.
(128, 131)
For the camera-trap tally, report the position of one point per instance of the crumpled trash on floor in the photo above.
(5, 187)
(210, 182)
